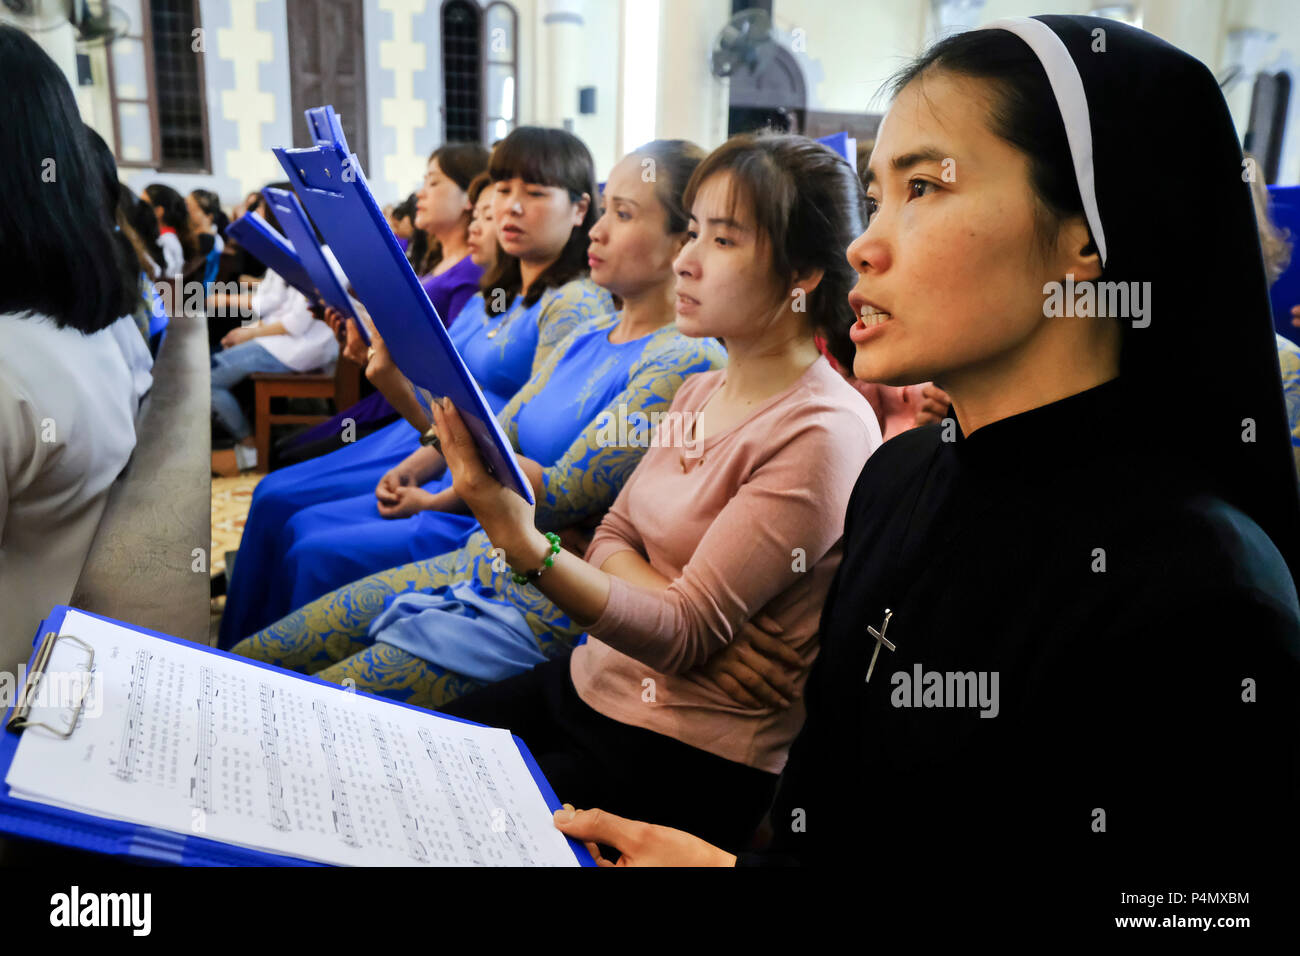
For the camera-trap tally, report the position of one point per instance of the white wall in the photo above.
(49, 27)
(1281, 17)
(599, 67)
(692, 102)
(850, 50)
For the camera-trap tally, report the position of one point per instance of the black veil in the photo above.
(1168, 202)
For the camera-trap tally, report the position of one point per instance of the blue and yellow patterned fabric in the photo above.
(428, 631)
(1288, 356)
(556, 413)
(329, 544)
(261, 588)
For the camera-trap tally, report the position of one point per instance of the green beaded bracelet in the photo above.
(528, 577)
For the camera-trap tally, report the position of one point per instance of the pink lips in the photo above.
(860, 333)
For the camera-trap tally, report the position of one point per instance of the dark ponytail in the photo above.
(210, 203)
(175, 214)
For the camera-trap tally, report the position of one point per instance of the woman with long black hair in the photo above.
(208, 225)
(175, 230)
(66, 396)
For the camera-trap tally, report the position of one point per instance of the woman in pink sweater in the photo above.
(735, 511)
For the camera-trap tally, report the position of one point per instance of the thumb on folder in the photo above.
(638, 844)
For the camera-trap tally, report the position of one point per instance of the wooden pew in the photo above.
(142, 564)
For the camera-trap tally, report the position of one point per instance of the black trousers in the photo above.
(594, 761)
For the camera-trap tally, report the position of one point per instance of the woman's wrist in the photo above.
(525, 551)
(444, 500)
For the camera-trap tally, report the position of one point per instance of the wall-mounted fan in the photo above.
(740, 42)
(97, 22)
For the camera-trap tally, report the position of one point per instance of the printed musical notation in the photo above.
(501, 819)
(469, 840)
(132, 724)
(338, 790)
(201, 782)
(284, 765)
(410, 826)
(279, 817)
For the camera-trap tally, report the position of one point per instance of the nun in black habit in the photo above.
(1066, 618)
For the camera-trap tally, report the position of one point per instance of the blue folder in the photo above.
(26, 818)
(330, 183)
(271, 249)
(298, 230)
(839, 143)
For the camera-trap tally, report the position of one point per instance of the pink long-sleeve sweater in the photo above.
(750, 522)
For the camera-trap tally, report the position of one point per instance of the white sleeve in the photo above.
(173, 254)
(295, 314)
(19, 447)
(136, 353)
(268, 295)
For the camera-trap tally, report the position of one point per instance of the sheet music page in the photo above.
(177, 738)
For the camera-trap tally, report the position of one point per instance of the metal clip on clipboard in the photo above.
(19, 722)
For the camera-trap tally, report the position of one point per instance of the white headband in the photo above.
(1067, 87)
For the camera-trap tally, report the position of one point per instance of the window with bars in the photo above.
(178, 67)
(462, 68)
(479, 68)
(157, 89)
(500, 67)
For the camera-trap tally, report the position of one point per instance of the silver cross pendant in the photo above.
(880, 638)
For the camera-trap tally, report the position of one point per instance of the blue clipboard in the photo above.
(271, 249)
(298, 230)
(330, 183)
(25, 818)
(838, 143)
(326, 129)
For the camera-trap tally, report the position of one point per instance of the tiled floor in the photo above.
(231, 498)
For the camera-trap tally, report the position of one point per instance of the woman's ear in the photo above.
(1077, 251)
(580, 210)
(807, 280)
